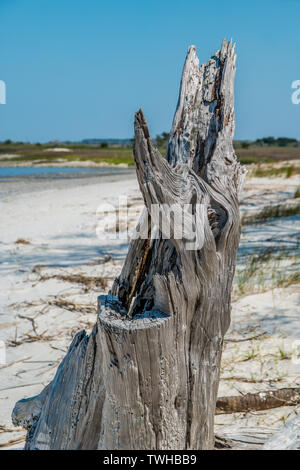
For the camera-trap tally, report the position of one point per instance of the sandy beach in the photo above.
(53, 267)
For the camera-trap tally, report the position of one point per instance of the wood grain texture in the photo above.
(147, 376)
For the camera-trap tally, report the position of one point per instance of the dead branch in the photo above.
(258, 401)
(72, 306)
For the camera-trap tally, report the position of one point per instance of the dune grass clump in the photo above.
(288, 279)
(272, 212)
(297, 193)
(268, 269)
(22, 241)
(252, 269)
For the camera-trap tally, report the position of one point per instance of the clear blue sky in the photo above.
(80, 68)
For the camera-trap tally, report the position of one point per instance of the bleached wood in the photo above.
(147, 376)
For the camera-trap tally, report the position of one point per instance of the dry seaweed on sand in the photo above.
(89, 282)
(22, 241)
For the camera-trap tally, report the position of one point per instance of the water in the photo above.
(14, 173)
(21, 180)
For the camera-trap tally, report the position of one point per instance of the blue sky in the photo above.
(80, 69)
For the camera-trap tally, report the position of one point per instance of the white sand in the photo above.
(60, 225)
(57, 149)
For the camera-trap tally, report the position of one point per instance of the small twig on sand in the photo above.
(72, 306)
(40, 362)
(31, 320)
(239, 340)
(15, 362)
(5, 429)
(47, 370)
(88, 282)
(250, 381)
(21, 386)
(58, 349)
(28, 338)
(13, 441)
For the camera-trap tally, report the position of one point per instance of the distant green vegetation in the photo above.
(267, 150)
(272, 171)
(19, 152)
(279, 142)
(118, 151)
(252, 159)
(161, 140)
(267, 142)
(267, 154)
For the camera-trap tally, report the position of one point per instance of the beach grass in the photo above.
(272, 212)
(267, 269)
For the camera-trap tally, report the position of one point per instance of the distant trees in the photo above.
(161, 140)
(245, 144)
(279, 142)
(267, 142)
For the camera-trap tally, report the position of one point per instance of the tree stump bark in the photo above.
(147, 376)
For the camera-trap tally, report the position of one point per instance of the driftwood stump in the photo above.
(147, 376)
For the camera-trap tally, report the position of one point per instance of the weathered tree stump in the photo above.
(147, 376)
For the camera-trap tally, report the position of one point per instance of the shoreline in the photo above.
(16, 185)
(64, 163)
